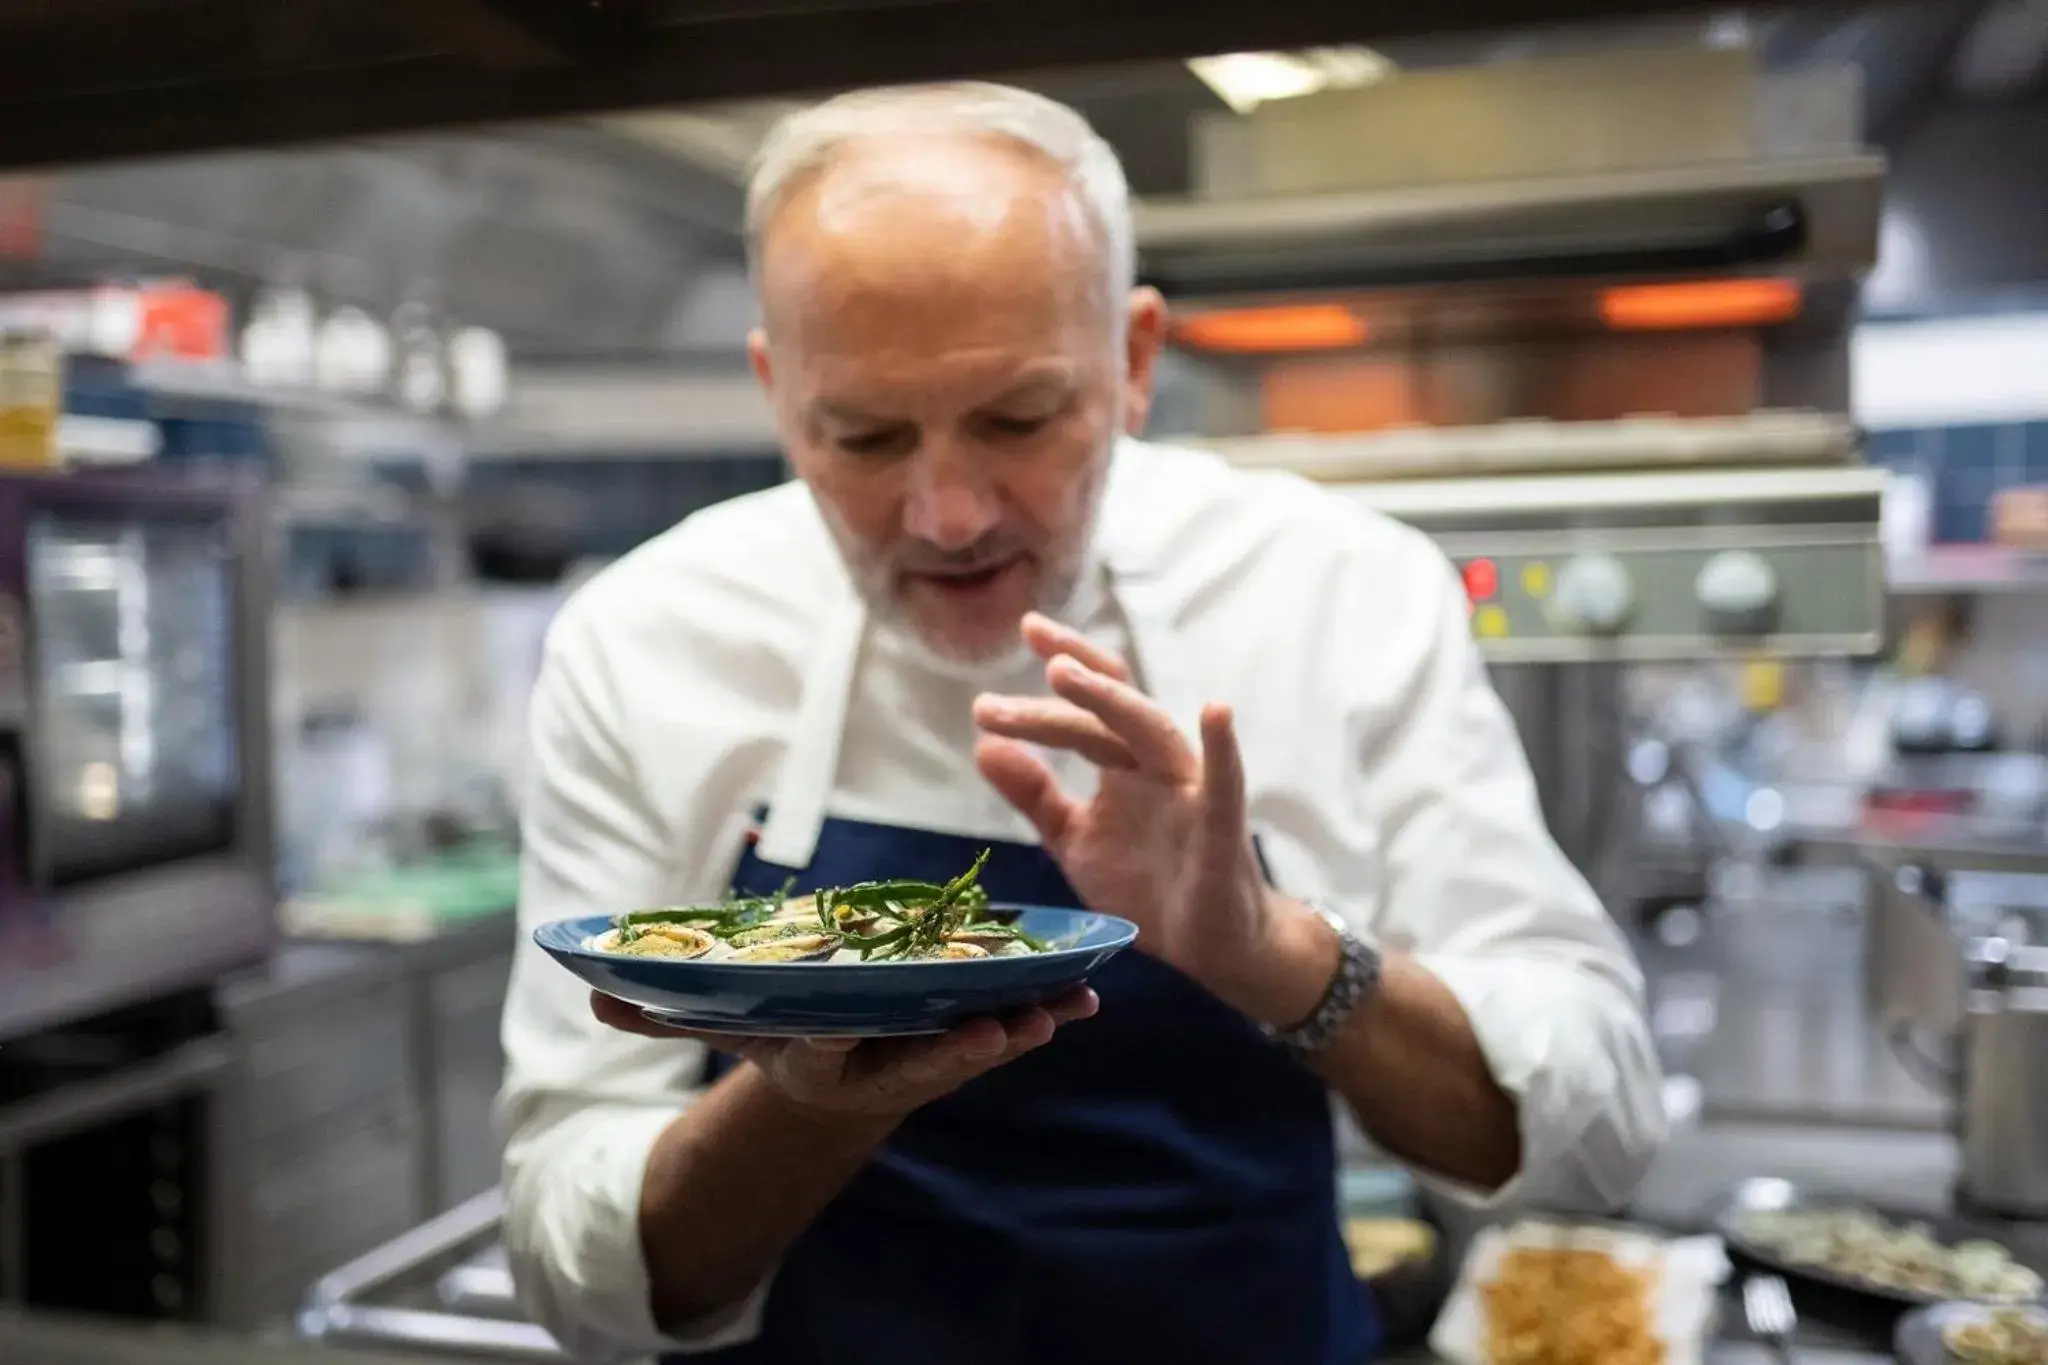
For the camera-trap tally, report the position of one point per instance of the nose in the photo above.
(951, 501)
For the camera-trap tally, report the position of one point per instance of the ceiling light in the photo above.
(1245, 80)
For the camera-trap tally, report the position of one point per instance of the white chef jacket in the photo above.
(728, 663)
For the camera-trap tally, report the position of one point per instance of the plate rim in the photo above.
(1124, 935)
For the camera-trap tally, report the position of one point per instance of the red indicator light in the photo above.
(1482, 579)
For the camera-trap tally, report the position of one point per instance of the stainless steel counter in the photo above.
(1904, 1171)
(28, 1341)
(41, 1340)
(38, 1341)
(1952, 841)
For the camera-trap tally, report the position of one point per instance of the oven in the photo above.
(135, 846)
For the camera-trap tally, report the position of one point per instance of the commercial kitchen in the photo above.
(337, 351)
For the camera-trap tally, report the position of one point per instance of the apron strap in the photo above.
(810, 761)
(1169, 676)
(1157, 651)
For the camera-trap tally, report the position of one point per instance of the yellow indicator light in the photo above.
(1536, 579)
(1490, 622)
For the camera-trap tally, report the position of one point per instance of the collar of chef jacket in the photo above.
(1124, 562)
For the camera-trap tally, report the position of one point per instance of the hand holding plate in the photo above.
(880, 1077)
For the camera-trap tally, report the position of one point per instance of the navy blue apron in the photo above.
(1155, 1184)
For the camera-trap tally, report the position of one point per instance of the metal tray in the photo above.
(1764, 1192)
(1917, 1340)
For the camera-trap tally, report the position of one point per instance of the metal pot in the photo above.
(2002, 1104)
(1969, 972)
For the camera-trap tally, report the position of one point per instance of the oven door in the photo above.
(134, 759)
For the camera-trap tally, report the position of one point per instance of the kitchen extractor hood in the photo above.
(1623, 165)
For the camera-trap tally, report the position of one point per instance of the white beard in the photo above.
(875, 582)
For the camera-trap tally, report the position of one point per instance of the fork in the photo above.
(1767, 1303)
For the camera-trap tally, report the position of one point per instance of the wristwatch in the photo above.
(1357, 976)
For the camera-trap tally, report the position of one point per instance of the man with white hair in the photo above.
(1218, 703)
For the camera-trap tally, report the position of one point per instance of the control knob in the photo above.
(1594, 595)
(1738, 591)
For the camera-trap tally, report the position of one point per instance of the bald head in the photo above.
(813, 138)
(914, 234)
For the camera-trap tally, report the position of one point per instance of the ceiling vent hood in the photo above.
(1632, 164)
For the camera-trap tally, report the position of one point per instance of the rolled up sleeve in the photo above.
(583, 1105)
(1476, 888)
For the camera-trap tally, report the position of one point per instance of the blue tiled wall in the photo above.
(627, 500)
(1964, 466)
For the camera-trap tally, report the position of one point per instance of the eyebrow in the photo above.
(846, 414)
(1052, 384)
(1048, 383)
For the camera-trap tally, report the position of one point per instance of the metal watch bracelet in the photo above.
(1357, 975)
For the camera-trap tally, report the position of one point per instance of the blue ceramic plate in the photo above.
(849, 999)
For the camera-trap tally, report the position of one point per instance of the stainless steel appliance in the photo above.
(1600, 354)
(1587, 547)
(1572, 577)
(1667, 161)
(135, 855)
(2003, 1108)
(1648, 566)
(1957, 973)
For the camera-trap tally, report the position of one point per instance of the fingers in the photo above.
(1055, 724)
(924, 1067)
(979, 1045)
(1078, 1003)
(835, 1046)
(880, 1075)
(625, 1016)
(1130, 715)
(1224, 815)
(1048, 639)
(1021, 778)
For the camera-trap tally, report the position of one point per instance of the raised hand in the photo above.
(1166, 841)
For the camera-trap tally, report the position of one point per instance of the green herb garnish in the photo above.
(919, 915)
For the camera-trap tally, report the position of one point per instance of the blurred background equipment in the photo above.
(135, 871)
(1706, 343)
(1597, 346)
(137, 740)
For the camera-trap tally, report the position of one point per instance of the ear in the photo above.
(1144, 338)
(757, 358)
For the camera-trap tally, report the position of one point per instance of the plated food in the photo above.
(1973, 1334)
(874, 960)
(1570, 1306)
(1858, 1246)
(2005, 1336)
(885, 921)
(1544, 1293)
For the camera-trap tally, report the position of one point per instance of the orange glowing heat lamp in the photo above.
(1698, 304)
(1282, 327)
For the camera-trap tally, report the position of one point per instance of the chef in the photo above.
(1223, 704)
